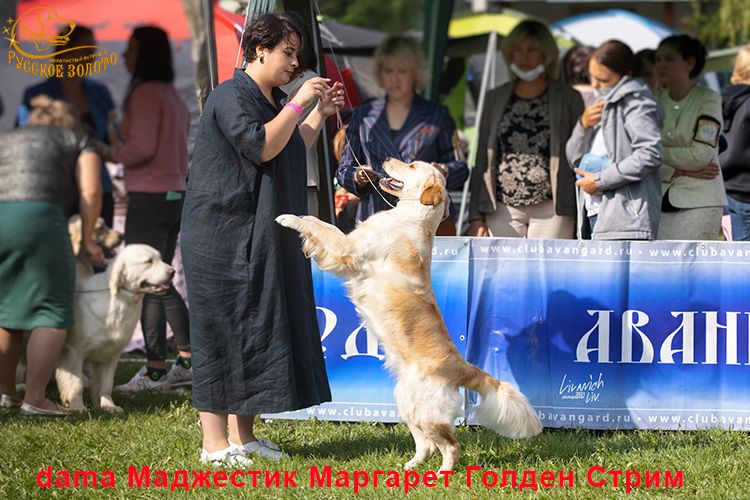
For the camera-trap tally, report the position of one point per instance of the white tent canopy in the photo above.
(598, 27)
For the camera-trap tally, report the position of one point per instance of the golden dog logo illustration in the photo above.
(40, 44)
(40, 25)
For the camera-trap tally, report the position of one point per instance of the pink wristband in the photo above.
(295, 107)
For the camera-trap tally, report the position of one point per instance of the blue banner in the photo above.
(616, 334)
(598, 335)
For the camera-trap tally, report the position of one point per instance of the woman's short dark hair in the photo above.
(154, 62)
(616, 56)
(688, 47)
(576, 64)
(268, 30)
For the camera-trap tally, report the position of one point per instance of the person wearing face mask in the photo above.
(616, 150)
(521, 185)
(400, 125)
(693, 196)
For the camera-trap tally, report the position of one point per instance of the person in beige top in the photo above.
(692, 186)
(522, 185)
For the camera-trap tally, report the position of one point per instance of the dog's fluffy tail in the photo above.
(503, 408)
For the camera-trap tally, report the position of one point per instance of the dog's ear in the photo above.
(118, 268)
(75, 226)
(432, 192)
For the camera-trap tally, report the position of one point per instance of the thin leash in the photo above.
(340, 121)
(242, 35)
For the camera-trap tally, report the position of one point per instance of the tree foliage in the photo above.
(721, 23)
(393, 16)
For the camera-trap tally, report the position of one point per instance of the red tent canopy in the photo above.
(114, 21)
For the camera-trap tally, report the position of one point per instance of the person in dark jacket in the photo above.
(401, 124)
(90, 99)
(735, 159)
(521, 185)
(253, 326)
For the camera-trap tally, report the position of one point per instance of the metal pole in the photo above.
(487, 72)
(208, 17)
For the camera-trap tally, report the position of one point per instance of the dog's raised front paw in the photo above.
(287, 220)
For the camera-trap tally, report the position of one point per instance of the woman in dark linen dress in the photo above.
(253, 327)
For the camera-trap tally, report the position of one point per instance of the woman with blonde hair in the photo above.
(735, 159)
(44, 168)
(522, 185)
(400, 125)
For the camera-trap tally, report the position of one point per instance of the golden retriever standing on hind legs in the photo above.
(386, 262)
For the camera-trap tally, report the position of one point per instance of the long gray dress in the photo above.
(253, 328)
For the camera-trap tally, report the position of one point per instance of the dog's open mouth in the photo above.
(391, 183)
(155, 289)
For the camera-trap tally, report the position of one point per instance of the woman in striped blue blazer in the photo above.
(400, 125)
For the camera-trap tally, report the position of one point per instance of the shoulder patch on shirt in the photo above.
(707, 130)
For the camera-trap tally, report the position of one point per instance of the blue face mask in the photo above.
(604, 94)
(527, 76)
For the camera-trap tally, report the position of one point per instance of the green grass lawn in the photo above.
(161, 430)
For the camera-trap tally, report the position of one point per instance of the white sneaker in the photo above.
(141, 382)
(229, 456)
(262, 448)
(179, 376)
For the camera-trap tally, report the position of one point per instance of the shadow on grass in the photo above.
(150, 402)
(348, 446)
(482, 446)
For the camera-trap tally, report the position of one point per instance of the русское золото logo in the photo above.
(39, 44)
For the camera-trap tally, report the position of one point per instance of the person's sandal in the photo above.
(231, 457)
(262, 448)
(9, 402)
(32, 411)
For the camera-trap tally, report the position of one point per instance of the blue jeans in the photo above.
(592, 223)
(739, 213)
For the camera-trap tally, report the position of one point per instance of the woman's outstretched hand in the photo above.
(332, 100)
(312, 88)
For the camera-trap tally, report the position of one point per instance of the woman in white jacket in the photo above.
(692, 186)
